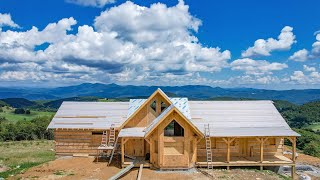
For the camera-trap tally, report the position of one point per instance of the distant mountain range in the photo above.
(190, 91)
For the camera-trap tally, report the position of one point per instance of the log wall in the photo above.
(70, 142)
(173, 152)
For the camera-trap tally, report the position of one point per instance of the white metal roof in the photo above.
(239, 118)
(226, 118)
(90, 115)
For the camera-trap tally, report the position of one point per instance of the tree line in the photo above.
(300, 117)
(25, 130)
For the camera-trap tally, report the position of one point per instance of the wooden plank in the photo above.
(80, 155)
(122, 172)
(140, 172)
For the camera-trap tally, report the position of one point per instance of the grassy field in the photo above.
(9, 115)
(315, 127)
(16, 157)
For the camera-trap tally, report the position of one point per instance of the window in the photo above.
(153, 106)
(173, 129)
(163, 106)
(97, 133)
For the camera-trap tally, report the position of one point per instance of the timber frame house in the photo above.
(174, 133)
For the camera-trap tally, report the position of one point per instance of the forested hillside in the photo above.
(304, 119)
(191, 91)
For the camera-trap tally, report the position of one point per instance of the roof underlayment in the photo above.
(89, 115)
(226, 118)
(239, 118)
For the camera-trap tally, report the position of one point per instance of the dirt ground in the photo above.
(85, 168)
(306, 159)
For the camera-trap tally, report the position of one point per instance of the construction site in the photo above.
(174, 134)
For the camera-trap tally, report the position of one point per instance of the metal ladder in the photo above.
(113, 151)
(112, 142)
(112, 135)
(104, 138)
(208, 145)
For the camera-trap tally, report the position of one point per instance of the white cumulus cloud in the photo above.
(304, 55)
(5, 20)
(301, 55)
(309, 69)
(256, 67)
(127, 43)
(264, 47)
(93, 3)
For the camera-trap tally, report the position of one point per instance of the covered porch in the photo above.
(276, 160)
(247, 151)
(134, 148)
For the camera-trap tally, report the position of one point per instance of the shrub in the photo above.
(312, 149)
(19, 111)
(26, 130)
(2, 119)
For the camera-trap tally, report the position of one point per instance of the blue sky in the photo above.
(216, 43)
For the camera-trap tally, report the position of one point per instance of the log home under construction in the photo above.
(172, 133)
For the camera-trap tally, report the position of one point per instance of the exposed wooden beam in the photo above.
(225, 140)
(228, 141)
(122, 152)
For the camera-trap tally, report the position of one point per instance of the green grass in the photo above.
(315, 127)
(22, 155)
(9, 115)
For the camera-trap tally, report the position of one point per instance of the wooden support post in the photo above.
(228, 152)
(261, 150)
(122, 152)
(262, 141)
(294, 149)
(293, 167)
(228, 141)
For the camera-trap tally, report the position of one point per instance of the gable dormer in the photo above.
(143, 112)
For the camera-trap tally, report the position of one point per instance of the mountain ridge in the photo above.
(297, 96)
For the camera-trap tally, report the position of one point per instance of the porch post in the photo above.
(228, 141)
(122, 152)
(293, 167)
(261, 152)
(228, 151)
